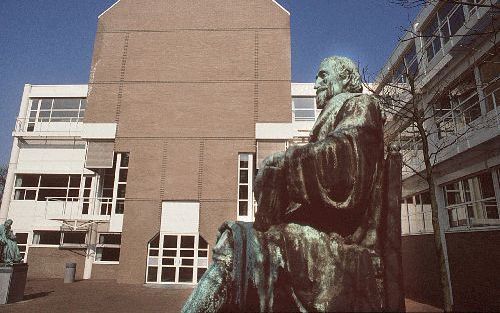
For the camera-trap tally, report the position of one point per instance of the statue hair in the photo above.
(346, 68)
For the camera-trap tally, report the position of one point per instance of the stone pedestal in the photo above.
(12, 282)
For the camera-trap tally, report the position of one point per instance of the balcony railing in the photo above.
(464, 114)
(49, 126)
(78, 208)
(474, 213)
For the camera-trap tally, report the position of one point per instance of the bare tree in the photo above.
(434, 129)
(419, 3)
(427, 116)
(3, 177)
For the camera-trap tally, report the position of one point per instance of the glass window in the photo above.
(114, 239)
(245, 175)
(74, 237)
(304, 108)
(182, 258)
(108, 248)
(46, 237)
(472, 202)
(22, 243)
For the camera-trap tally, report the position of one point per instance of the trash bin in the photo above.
(69, 273)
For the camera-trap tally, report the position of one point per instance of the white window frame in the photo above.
(39, 187)
(302, 119)
(106, 245)
(250, 216)
(450, 209)
(177, 259)
(32, 121)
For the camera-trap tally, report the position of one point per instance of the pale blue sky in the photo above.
(50, 42)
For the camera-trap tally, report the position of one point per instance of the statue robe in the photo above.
(8, 246)
(313, 246)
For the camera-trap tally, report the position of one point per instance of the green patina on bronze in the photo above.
(8, 245)
(314, 245)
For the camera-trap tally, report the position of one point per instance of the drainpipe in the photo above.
(14, 156)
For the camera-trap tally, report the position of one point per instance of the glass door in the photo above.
(176, 259)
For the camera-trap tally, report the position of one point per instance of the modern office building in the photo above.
(453, 54)
(131, 176)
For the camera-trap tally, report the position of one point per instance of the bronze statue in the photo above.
(8, 245)
(314, 245)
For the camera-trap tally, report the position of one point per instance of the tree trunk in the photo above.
(443, 270)
(436, 225)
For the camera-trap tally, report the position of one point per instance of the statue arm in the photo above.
(337, 172)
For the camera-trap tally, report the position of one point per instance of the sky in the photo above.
(51, 42)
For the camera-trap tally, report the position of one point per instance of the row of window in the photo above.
(475, 96)
(78, 188)
(436, 33)
(55, 110)
(469, 202)
(107, 248)
(40, 187)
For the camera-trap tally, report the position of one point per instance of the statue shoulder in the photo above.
(362, 99)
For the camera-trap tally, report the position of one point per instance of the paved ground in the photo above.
(107, 296)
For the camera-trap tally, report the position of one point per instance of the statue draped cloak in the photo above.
(319, 206)
(8, 247)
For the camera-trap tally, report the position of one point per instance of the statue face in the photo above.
(328, 84)
(8, 223)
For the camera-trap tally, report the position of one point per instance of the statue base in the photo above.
(13, 282)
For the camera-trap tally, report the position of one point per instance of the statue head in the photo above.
(8, 223)
(336, 75)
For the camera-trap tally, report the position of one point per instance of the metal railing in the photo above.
(78, 208)
(53, 125)
(474, 213)
(462, 115)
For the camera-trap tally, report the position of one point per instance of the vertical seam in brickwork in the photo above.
(122, 78)
(163, 179)
(256, 77)
(164, 169)
(200, 169)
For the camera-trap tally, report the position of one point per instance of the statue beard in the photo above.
(322, 97)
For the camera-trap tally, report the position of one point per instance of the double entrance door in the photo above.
(176, 259)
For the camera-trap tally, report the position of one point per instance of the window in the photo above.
(444, 24)
(73, 239)
(432, 42)
(458, 108)
(416, 214)
(54, 110)
(411, 149)
(245, 195)
(472, 202)
(407, 67)
(46, 237)
(108, 248)
(490, 81)
(22, 243)
(174, 258)
(47, 186)
(304, 108)
(121, 181)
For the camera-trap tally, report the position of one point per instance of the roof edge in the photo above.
(276, 2)
(108, 9)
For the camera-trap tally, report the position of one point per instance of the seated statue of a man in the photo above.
(8, 245)
(313, 246)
